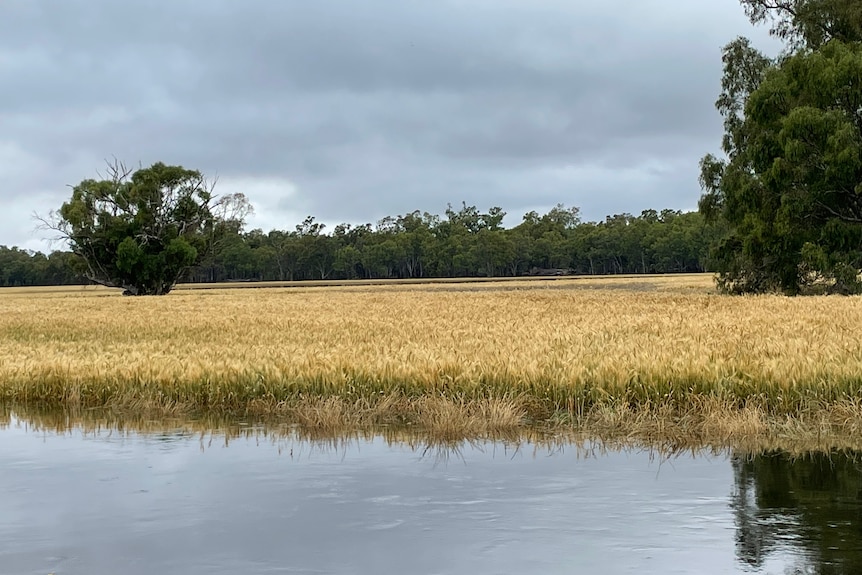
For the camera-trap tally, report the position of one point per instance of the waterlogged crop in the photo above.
(494, 355)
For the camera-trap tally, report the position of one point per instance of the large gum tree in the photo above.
(142, 230)
(789, 184)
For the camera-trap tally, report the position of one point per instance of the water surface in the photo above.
(100, 503)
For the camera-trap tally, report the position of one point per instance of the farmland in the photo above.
(645, 356)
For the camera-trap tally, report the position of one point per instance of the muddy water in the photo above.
(109, 503)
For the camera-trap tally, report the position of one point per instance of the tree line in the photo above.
(465, 242)
(19, 267)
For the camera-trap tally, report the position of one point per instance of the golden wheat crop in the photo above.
(504, 354)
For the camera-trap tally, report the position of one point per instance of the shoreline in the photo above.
(713, 424)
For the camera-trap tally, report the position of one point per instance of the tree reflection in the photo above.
(808, 506)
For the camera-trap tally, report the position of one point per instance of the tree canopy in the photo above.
(466, 242)
(142, 230)
(789, 187)
(463, 242)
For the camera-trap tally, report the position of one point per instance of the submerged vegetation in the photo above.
(221, 430)
(652, 357)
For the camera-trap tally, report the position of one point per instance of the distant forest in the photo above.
(462, 243)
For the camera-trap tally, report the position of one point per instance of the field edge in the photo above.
(438, 418)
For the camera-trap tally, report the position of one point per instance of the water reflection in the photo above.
(137, 496)
(811, 503)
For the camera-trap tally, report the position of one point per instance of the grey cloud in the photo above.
(373, 108)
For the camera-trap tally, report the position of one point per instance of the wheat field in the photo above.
(650, 354)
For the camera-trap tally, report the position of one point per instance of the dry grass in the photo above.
(650, 356)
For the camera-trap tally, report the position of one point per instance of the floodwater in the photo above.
(109, 502)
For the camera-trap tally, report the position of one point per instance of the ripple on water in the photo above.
(140, 506)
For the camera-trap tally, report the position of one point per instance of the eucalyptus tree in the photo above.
(142, 230)
(789, 187)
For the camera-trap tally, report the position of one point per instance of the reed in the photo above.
(469, 358)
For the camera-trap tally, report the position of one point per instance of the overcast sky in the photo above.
(354, 110)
